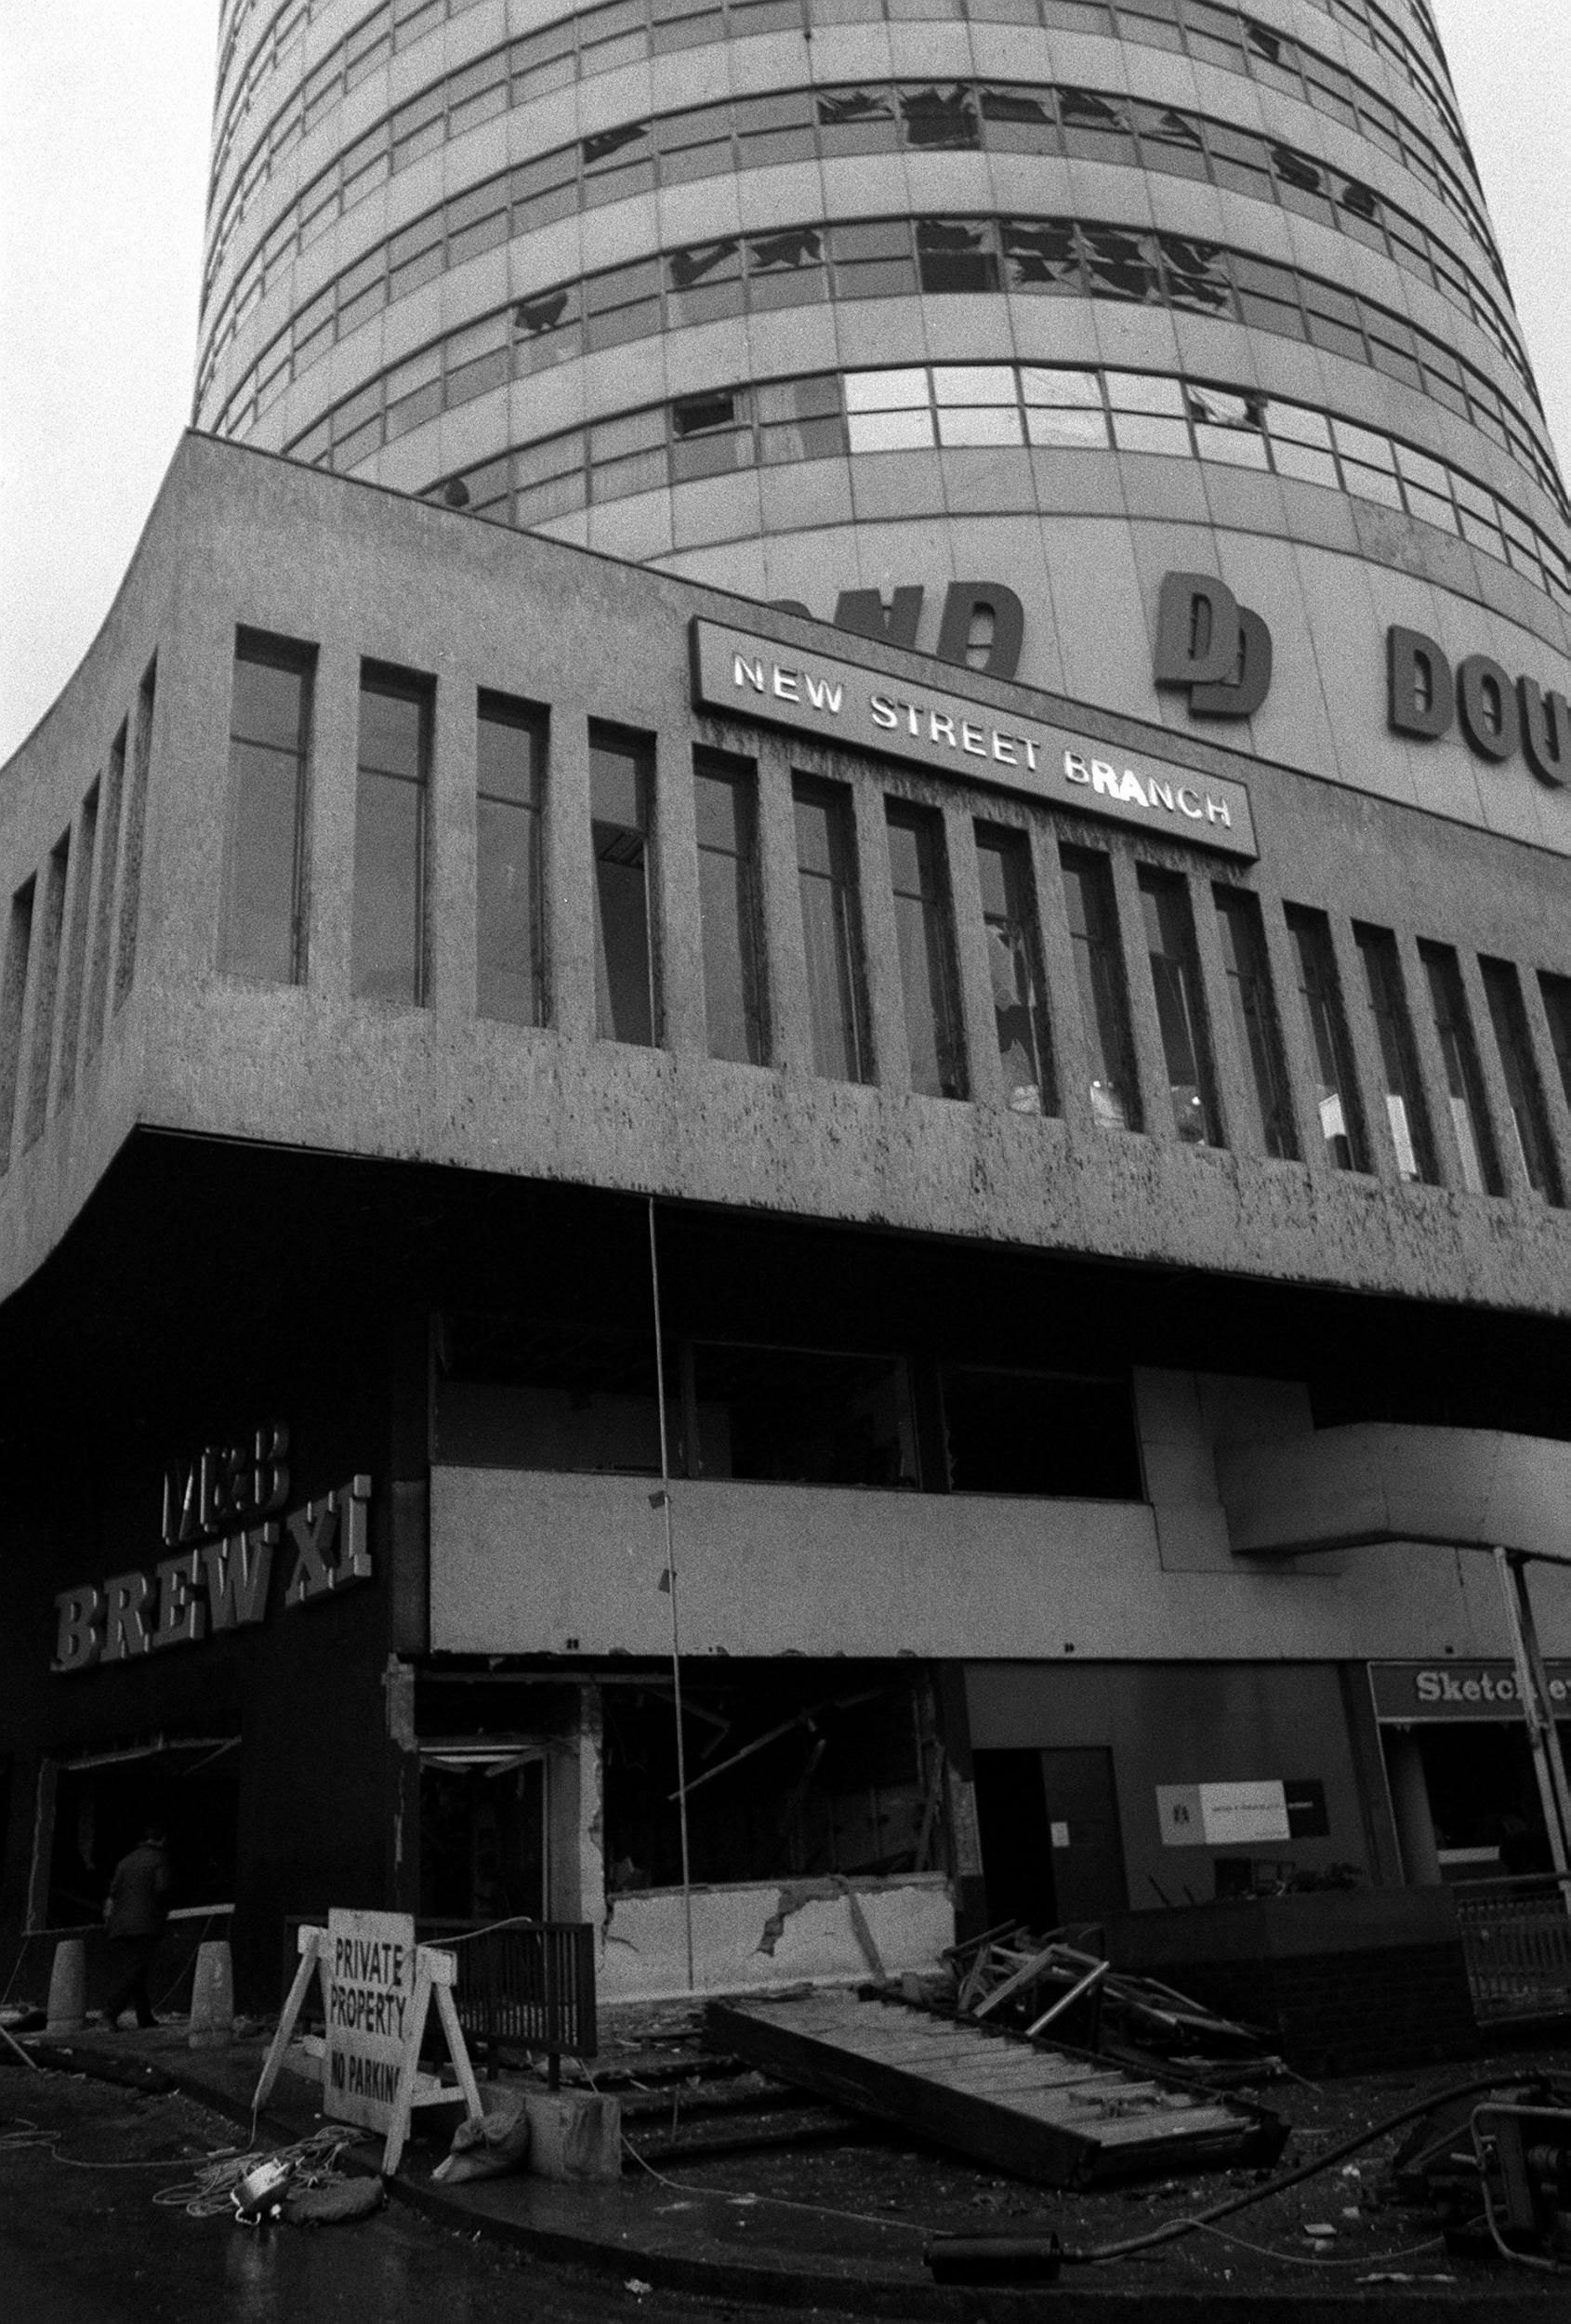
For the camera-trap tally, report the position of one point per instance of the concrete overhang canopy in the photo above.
(1379, 1481)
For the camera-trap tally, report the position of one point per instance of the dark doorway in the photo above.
(1483, 1797)
(482, 1838)
(1088, 1849)
(1052, 1851)
(1011, 1814)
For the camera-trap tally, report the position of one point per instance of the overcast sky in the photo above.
(104, 117)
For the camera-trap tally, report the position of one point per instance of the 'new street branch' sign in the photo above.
(749, 677)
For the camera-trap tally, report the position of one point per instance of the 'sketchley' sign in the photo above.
(1413, 1691)
(744, 676)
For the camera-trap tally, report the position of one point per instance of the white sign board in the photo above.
(370, 2003)
(1221, 1815)
(744, 676)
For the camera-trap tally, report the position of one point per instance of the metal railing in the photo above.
(1516, 1940)
(529, 1984)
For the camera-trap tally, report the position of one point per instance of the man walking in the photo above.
(135, 1910)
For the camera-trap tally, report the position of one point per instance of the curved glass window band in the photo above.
(880, 257)
(824, 123)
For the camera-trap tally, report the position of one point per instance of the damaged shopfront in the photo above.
(818, 1819)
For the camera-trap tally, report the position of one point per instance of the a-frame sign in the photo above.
(378, 1986)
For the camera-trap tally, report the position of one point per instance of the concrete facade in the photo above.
(1094, 1131)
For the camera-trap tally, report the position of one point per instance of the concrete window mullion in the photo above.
(569, 876)
(790, 1026)
(1432, 1064)
(1513, 1171)
(1303, 1077)
(984, 1084)
(674, 902)
(1557, 1112)
(330, 789)
(451, 868)
(1235, 1100)
(1151, 1065)
(885, 1007)
(1070, 1056)
(1364, 1041)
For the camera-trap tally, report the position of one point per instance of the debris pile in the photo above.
(1031, 1983)
(1496, 2169)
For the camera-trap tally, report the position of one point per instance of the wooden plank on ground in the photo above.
(1059, 2117)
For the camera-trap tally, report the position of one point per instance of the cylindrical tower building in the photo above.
(812, 297)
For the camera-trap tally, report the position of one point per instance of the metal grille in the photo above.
(529, 1983)
(1516, 1936)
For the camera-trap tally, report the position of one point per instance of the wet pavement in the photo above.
(822, 2229)
(83, 2241)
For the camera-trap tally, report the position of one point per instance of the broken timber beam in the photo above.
(1052, 2115)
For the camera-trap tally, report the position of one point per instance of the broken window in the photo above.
(511, 1393)
(918, 877)
(939, 118)
(1008, 914)
(1523, 1089)
(1406, 1110)
(1044, 1434)
(832, 932)
(1258, 1033)
(725, 812)
(1181, 1010)
(813, 1772)
(620, 810)
(794, 1416)
(1104, 1007)
(1342, 1121)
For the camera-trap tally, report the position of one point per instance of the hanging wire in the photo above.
(671, 1589)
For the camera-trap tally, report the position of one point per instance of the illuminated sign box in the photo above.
(743, 676)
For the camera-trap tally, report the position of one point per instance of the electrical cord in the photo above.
(1317, 2259)
(1172, 2229)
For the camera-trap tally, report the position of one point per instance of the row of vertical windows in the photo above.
(263, 922)
(822, 124)
(397, 24)
(900, 257)
(70, 947)
(600, 39)
(952, 406)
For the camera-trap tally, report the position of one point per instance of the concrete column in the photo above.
(880, 950)
(1432, 1064)
(450, 848)
(1410, 1799)
(978, 1024)
(569, 877)
(678, 929)
(1512, 1169)
(1364, 1041)
(1297, 1046)
(780, 913)
(335, 745)
(1557, 1111)
(1150, 1063)
(1233, 1073)
(1064, 1028)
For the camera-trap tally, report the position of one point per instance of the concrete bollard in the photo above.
(212, 1998)
(68, 1987)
